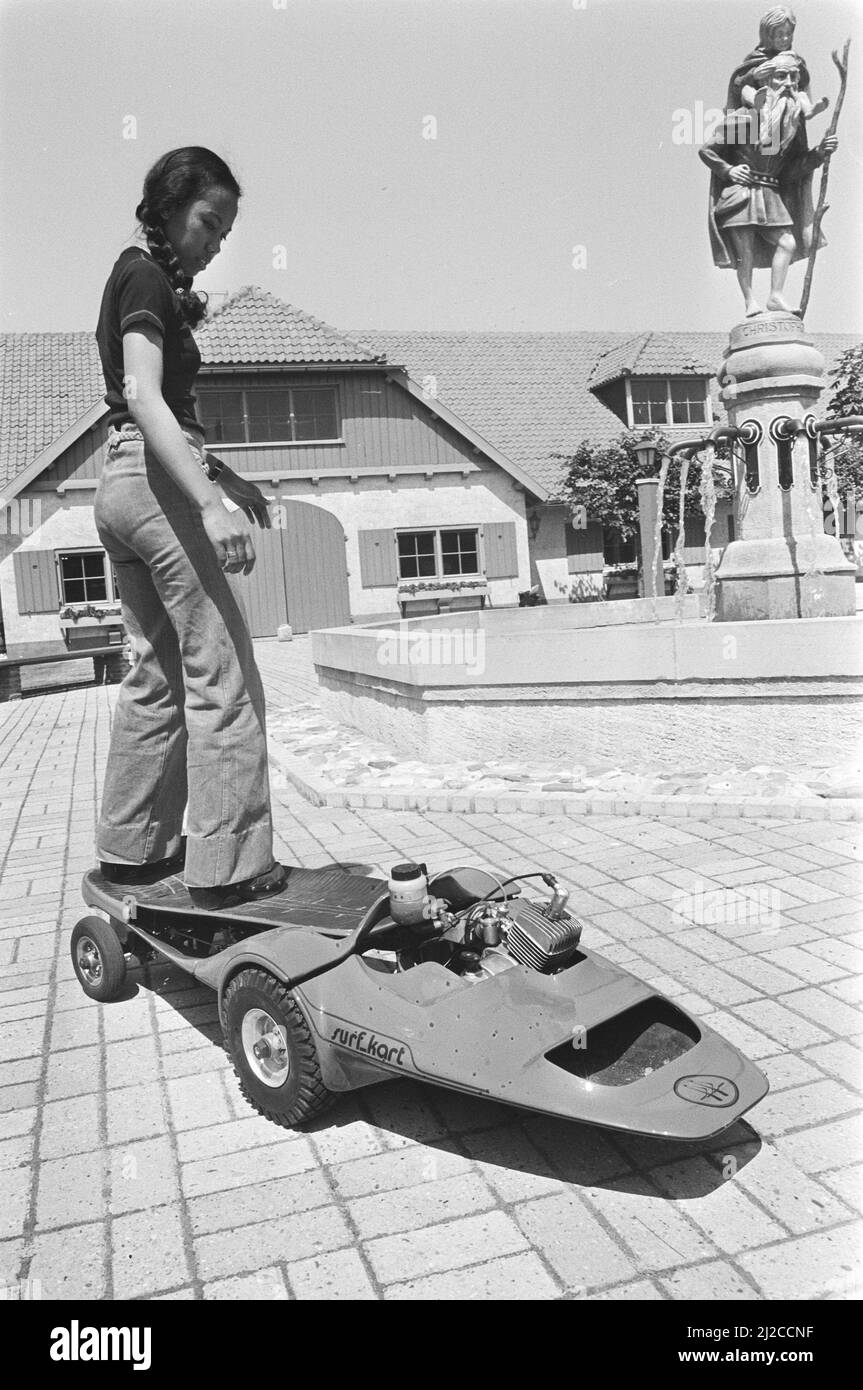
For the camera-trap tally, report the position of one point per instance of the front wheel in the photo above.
(98, 959)
(272, 1049)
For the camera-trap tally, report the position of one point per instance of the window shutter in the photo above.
(501, 556)
(378, 558)
(36, 581)
(584, 548)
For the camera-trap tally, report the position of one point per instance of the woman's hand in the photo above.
(230, 537)
(247, 495)
(740, 173)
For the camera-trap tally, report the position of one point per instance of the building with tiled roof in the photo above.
(397, 459)
(254, 327)
(541, 394)
(48, 381)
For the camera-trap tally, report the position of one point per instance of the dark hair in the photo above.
(176, 179)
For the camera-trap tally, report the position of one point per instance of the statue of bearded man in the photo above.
(761, 186)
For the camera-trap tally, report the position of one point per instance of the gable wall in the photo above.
(371, 504)
(381, 425)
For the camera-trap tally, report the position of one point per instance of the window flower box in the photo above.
(432, 594)
(101, 613)
(92, 625)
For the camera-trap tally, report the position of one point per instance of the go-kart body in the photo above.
(587, 1041)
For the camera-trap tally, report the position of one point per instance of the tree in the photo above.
(602, 478)
(847, 399)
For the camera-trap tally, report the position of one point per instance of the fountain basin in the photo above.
(511, 682)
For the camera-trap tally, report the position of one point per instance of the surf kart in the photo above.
(493, 994)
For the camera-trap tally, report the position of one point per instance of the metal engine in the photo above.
(541, 942)
(488, 935)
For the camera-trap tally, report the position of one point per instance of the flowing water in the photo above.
(707, 493)
(657, 535)
(833, 494)
(812, 582)
(682, 586)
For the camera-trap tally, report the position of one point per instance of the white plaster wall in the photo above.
(64, 525)
(549, 553)
(443, 500)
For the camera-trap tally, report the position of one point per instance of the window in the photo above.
(438, 554)
(223, 415)
(649, 403)
(314, 413)
(83, 577)
(459, 552)
(668, 401)
(618, 550)
(262, 415)
(687, 402)
(417, 558)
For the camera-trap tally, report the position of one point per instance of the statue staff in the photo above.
(842, 65)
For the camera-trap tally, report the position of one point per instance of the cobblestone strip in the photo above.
(683, 805)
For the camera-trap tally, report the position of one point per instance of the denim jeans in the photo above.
(189, 727)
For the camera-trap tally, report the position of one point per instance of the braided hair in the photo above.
(176, 179)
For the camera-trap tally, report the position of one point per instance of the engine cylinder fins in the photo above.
(541, 943)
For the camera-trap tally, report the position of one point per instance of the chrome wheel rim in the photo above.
(265, 1046)
(89, 960)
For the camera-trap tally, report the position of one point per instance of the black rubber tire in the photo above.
(98, 959)
(303, 1094)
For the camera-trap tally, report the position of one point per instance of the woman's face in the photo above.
(197, 230)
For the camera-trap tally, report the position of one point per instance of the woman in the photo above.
(189, 727)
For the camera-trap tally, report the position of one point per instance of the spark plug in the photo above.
(559, 898)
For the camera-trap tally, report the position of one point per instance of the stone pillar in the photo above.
(652, 576)
(782, 564)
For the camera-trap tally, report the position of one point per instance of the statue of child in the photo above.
(776, 35)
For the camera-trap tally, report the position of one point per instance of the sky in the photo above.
(457, 165)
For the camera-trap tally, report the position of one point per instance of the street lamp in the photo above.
(646, 452)
(653, 574)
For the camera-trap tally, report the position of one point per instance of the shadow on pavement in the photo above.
(493, 1134)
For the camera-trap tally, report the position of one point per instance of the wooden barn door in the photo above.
(316, 568)
(263, 590)
(300, 575)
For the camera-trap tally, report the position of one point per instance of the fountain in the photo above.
(775, 622)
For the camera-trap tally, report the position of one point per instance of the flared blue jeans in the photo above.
(189, 728)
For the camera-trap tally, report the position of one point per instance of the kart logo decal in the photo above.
(707, 1090)
(375, 1046)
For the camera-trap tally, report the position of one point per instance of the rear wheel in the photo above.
(98, 959)
(272, 1049)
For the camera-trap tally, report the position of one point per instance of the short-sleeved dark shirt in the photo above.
(139, 291)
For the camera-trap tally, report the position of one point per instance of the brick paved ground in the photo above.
(133, 1168)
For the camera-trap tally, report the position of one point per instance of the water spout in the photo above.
(833, 494)
(682, 586)
(707, 493)
(657, 535)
